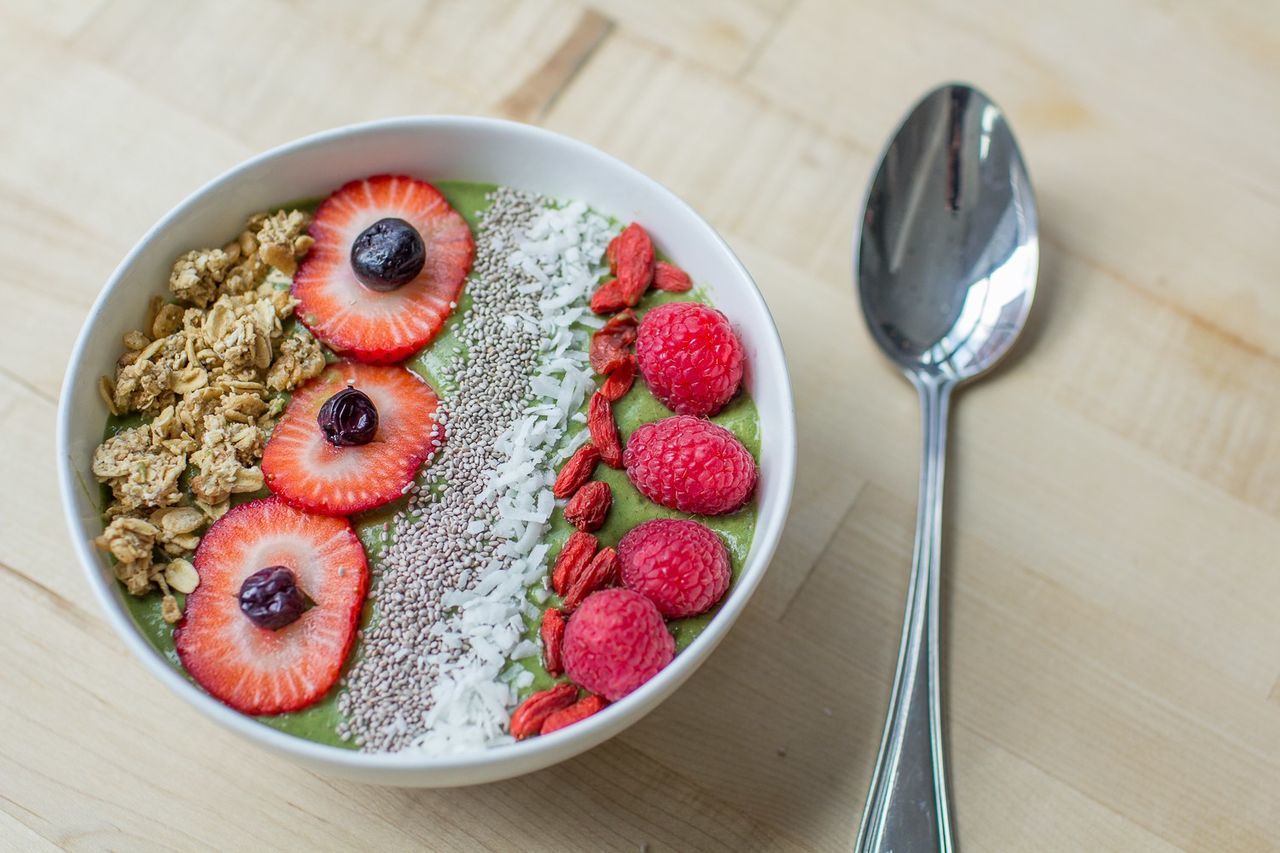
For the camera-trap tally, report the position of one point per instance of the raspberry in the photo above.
(690, 357)
(615, 642)
(690, 465)
(681, 566)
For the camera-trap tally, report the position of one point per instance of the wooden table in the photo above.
(1113, 540)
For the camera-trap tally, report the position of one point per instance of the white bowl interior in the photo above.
(433, 148)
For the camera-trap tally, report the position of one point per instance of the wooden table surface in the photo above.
(1113, 527)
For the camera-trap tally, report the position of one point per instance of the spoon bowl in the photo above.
(946, 267)
(948, 252)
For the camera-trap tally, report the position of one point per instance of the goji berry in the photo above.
(586, 509)
(670, 278)
(576, 471)
(621, 325)
(529, 718)
(606, 353)
(635, 263)
(603, 570)
(604, 430)
(577, 552)
(619, 381)
(608, 298)
(611, 255)
(580, 710)
(552, 633)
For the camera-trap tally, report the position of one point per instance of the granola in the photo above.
(204, 373)
(130, 540)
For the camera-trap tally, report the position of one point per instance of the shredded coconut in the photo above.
(561, 251)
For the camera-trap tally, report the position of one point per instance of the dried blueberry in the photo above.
(388, 254)
(271, 598)
(348, 418)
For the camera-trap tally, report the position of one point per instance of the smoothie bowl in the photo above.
(427, 452)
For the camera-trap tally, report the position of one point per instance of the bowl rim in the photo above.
(539, 752)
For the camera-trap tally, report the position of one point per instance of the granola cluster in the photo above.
(205, 374)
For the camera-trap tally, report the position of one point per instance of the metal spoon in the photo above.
(946, 266)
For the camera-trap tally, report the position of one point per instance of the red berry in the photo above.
(690, 464)
(258, 670)
(381, 326)
(604, 430)
(602, 571)
(610, 344)
(671, 278)
(615, 642)
(587, 509)
(306, 469)
(576, 471)
(580, 710)
(690, 357)
(608, 297)
(679, 565)
(527, 720)
(573, 559)
(634, 262)
(619, 382)
(552, 635)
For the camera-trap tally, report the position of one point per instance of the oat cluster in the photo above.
(204, 373)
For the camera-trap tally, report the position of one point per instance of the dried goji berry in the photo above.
(608, 298)
(604, 430)
(574, 557)
(609, 344)
(671, 278)
(606, 353)
(552, 633)
(622, 326)
(619, 381)
(603, 570)
(576, 471)
(635, 263)
(611, 255)
(580, 710)
(586, 509)
(529, 718)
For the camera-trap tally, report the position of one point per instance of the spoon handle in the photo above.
(907, 806)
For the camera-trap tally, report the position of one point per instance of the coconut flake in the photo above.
(561, 252)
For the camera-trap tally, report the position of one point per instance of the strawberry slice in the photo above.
(301, 466)
(369, 325)
(257, 670)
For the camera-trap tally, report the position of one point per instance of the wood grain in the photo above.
(1114, 494)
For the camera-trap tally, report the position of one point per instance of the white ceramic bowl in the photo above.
(432, 148)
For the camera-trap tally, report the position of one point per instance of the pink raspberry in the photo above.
(616, 641)
(690, 357)
(691, 465)
(681, 566)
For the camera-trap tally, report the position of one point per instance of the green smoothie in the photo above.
(320, 721)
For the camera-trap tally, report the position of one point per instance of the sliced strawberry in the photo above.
(369, 325)
(301, 466)
(257, 670)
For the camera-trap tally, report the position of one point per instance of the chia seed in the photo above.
(444, 541)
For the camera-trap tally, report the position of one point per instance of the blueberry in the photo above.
(388, 254)
(271, 599)
(348, 418)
